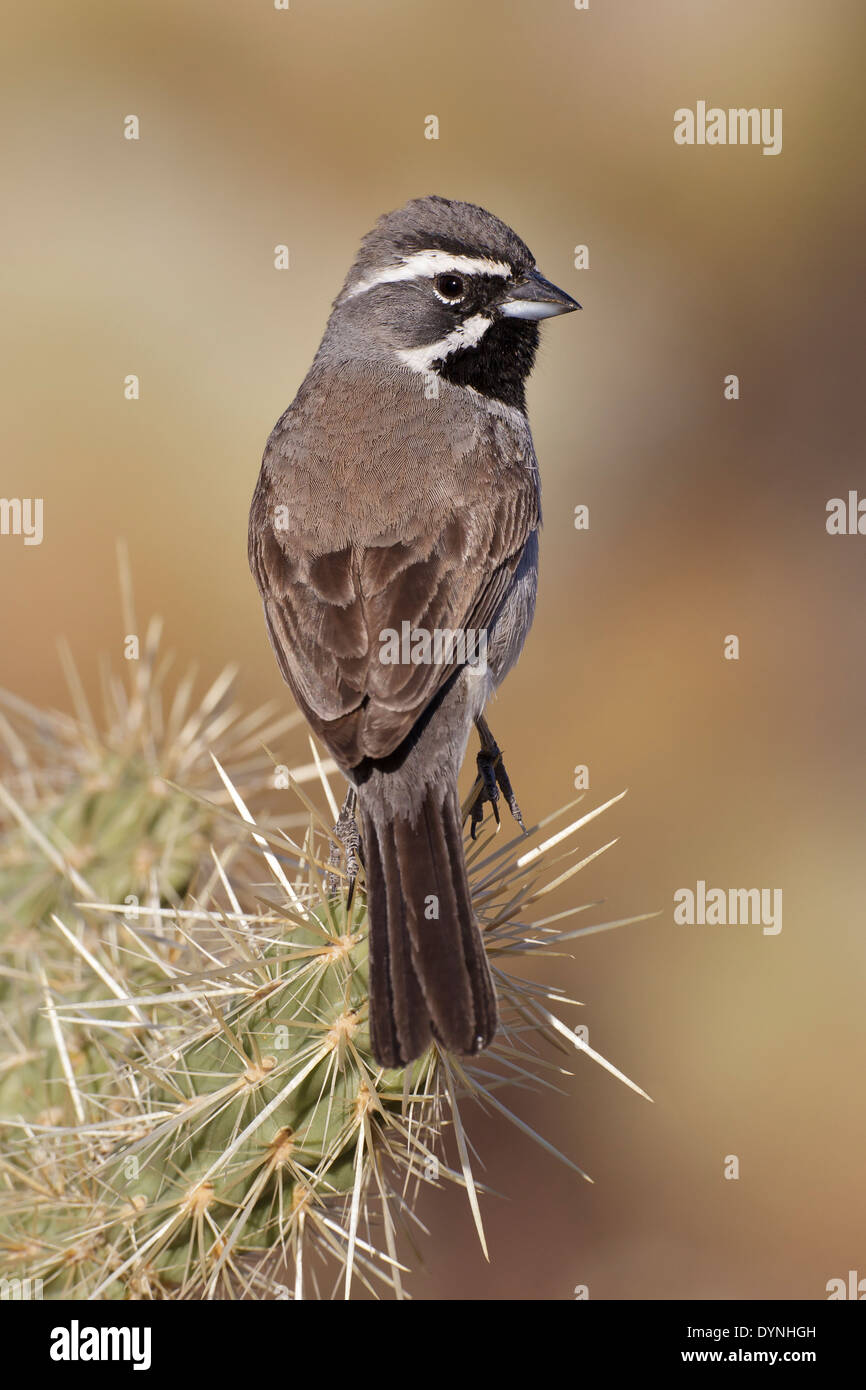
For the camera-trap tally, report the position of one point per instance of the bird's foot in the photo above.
(346, 841)
(493, 779)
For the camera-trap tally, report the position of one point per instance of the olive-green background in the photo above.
(155, 257)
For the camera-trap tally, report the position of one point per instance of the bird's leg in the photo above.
(493, 778)
(345, 835)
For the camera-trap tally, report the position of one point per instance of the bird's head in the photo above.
(444, 287)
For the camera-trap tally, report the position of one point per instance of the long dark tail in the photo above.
(428, 969)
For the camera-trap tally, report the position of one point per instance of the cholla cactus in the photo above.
(237, 1137)
(189, 1106)
(92, 809)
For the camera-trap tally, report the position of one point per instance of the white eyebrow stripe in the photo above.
(467, 334)
(427, 263)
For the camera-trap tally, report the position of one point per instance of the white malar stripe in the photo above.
(427, 263)
(467, 334)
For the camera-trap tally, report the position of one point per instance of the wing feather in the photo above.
(333, 578)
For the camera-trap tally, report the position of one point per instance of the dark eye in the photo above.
(449, 286)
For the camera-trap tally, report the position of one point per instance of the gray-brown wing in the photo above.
(327, 616)
(355, 531)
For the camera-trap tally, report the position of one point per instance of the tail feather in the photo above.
(399, 1024)
(428, 968)
(485, 1007)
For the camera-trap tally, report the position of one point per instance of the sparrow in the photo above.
(399, 499)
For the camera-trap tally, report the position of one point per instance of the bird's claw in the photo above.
(493, 778)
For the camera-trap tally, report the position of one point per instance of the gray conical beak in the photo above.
(536, 298)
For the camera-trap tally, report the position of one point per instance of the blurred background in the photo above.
(707, 518)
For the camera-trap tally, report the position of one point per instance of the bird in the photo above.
(399, 498)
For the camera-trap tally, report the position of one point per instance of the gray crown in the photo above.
(438, 224)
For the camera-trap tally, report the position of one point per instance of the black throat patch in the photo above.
(498, 365)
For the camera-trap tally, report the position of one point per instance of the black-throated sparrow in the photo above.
(399, 498)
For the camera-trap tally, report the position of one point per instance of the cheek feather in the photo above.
(466, 335)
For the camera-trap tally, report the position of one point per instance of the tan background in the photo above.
(707, 517)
